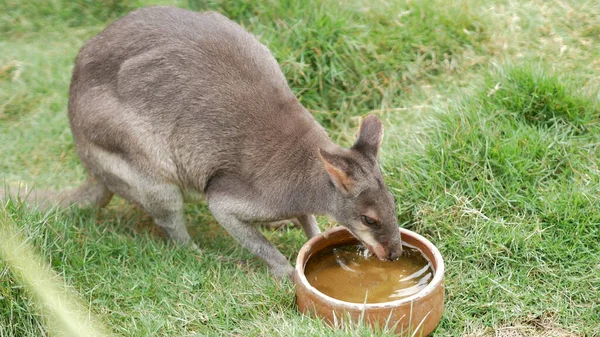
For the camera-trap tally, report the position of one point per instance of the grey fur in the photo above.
(167, 103)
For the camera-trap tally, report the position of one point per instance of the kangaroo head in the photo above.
(363, 204)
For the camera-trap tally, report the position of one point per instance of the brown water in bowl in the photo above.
(350, 273)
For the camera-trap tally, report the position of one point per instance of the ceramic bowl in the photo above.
(416, 315)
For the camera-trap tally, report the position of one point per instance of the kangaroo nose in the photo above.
(394, 254)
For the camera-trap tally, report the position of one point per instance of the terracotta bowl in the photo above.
(416, 315)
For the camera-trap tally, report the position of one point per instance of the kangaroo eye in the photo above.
(368, 221)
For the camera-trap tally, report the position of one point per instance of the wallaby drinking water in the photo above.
(168, 104)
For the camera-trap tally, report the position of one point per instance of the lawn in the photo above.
(492, 149)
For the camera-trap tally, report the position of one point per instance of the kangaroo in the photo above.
(167, 104)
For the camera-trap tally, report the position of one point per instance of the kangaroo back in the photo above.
(197, 89)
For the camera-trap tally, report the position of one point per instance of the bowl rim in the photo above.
(435, 282)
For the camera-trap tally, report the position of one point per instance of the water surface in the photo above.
(350, 273)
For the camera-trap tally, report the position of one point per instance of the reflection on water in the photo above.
(350, 273)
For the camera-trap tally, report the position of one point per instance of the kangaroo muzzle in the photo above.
(389, 249)
(383, 253)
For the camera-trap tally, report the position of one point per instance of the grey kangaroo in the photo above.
(167, 105)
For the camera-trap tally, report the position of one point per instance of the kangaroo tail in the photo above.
(91, 193)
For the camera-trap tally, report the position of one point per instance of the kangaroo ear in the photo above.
(370, 136)
(338, 169)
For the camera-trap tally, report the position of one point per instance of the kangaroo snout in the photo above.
(386, 251)
(394, 252)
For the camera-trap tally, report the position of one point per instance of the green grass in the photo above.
(492, 119)
(513, 200)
